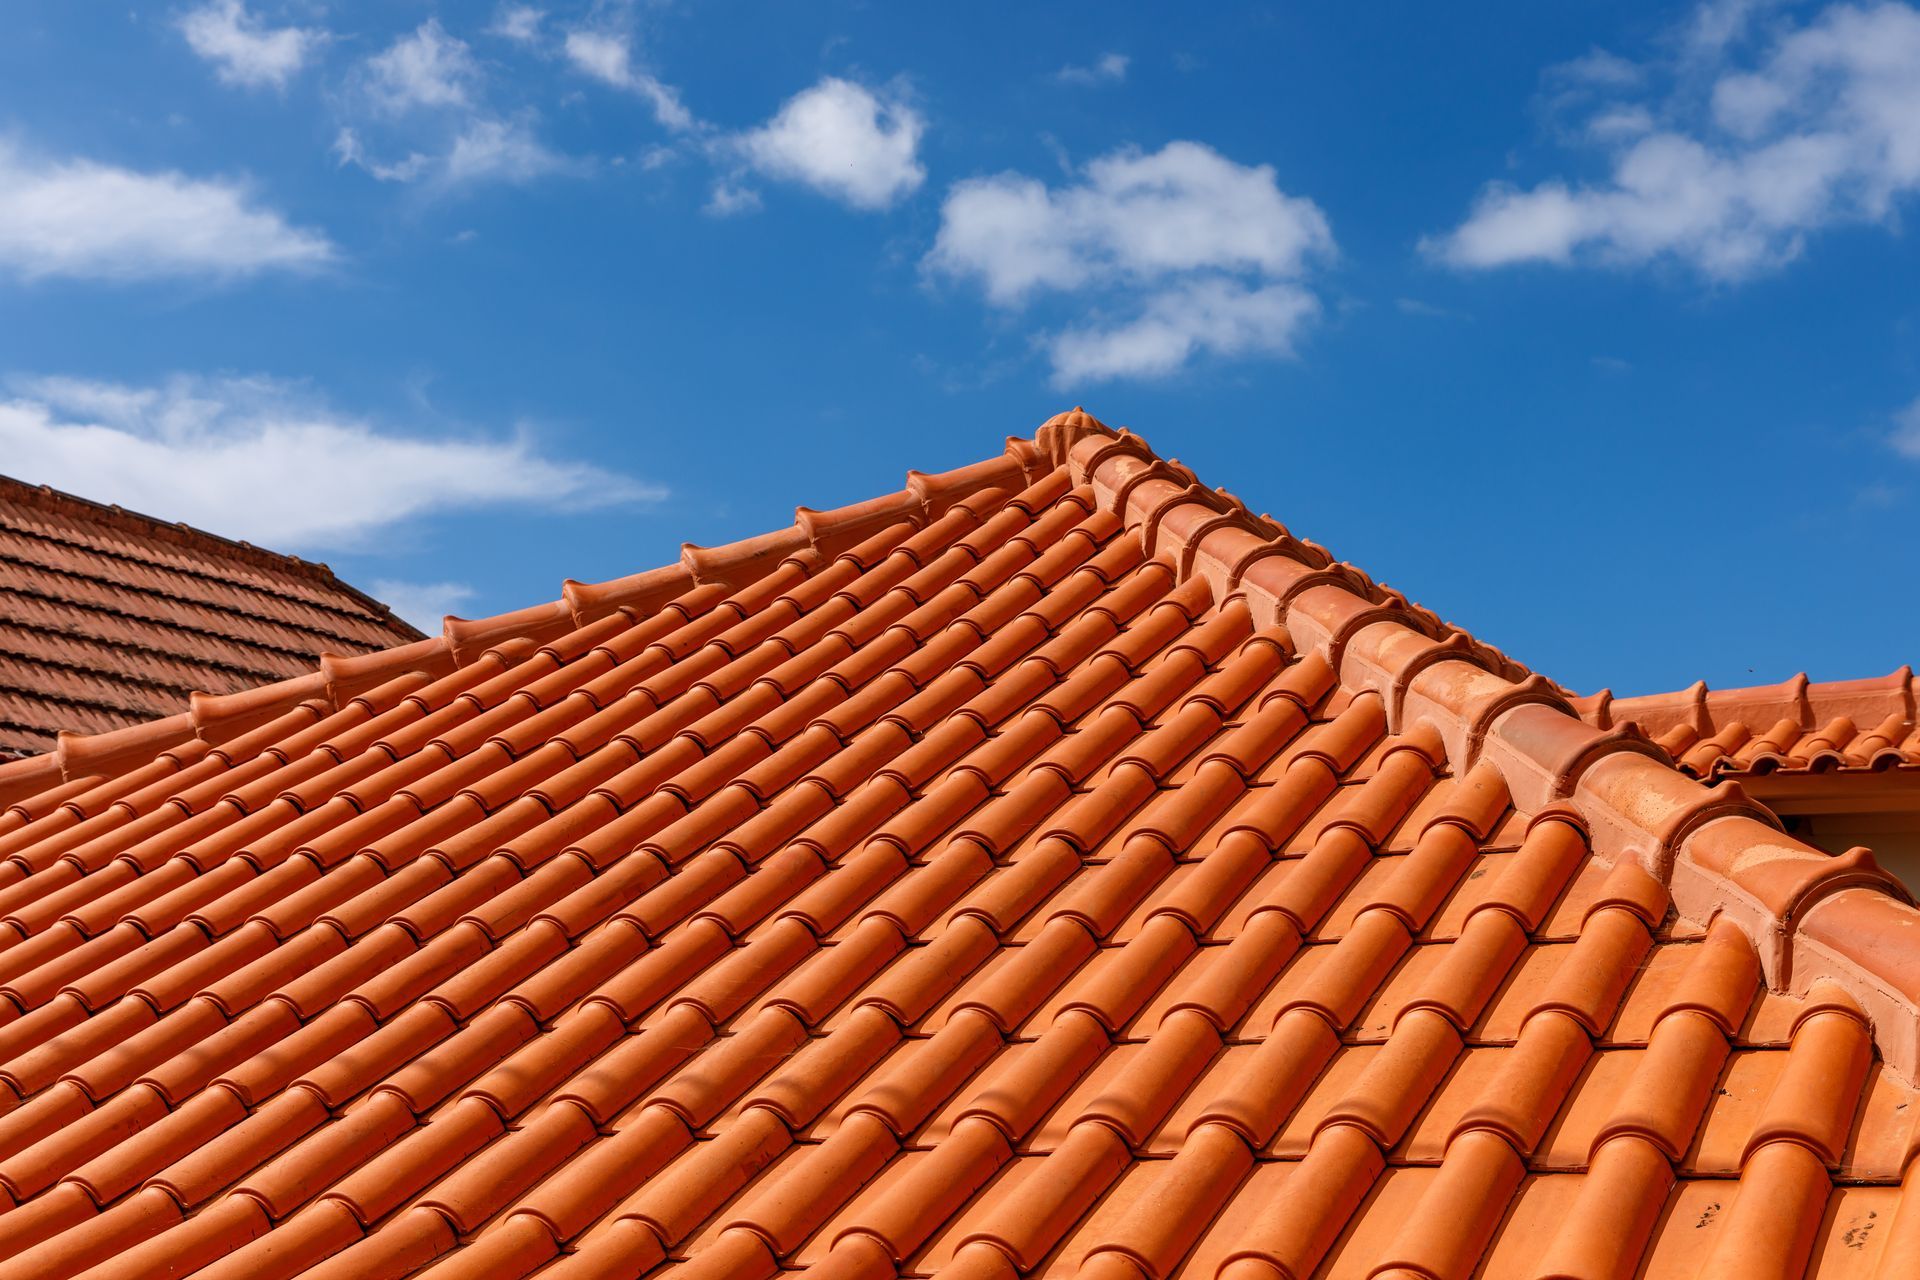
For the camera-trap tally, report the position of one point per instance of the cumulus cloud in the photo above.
(427, 68)
(1142, 216)
(245, 51)
(1218, 250)
(1222, 316)
(1738, 163)
(608, 57)
(265, 460)
(81, 219)
(424, 604)
(1109, 68)
(844, 141)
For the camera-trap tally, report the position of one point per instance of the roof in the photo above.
(109, 618)
(1796, 726)
(1050, 868)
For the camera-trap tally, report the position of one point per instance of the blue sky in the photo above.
(1593, 326)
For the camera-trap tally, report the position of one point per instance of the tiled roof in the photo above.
(1048, 869)
(1795, 726)
(109, 618)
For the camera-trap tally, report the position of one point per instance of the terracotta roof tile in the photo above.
(112, 618)
(1796, 726)
(1049, 869)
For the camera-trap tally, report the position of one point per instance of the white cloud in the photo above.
(1906, 431)
(519, 22)
(501, 151)
(81, 219)
(1218, 248)
(484, 150)
(1822, 130)
(349, 150)
(263, 460)
(245, 51)
(1718, 23)
(419, 113)
(1600, 68)
(729, 200)
(424, 604)
(428, 68)
(842, 140)
(1109, 68)
(1137, 215)
(1427, 310)
(608, 58)
(1219, 316)
(1619, 124)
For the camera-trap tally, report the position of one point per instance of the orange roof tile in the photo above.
(109, 618)
(1796, 726)
(1049, 869)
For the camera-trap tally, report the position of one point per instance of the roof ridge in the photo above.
(1807, 702)
(337, 680)
(1811, 916)
(1794, 726)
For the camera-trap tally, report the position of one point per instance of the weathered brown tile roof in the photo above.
(1049, 869)
(109, 618)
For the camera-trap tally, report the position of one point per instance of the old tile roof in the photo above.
(109, 618)
(1049, 869)
(1796, 726)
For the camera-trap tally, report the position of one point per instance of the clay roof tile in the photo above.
(1050, 867)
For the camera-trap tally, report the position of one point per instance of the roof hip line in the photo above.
(1812, 917)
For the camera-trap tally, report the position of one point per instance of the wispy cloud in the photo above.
(1906, 431)
(245, 51)
(843, 140)
(728, 200)
(519, 22)
(1216, 249)
(418, 112)
(1736, 162)
(425, 604)
(1108, 68)
(272, 462)
(486, 149)
(607, 56)
(81, 219)
(1427, 310)
(489, 150)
